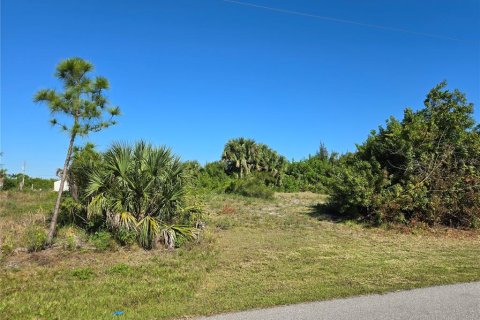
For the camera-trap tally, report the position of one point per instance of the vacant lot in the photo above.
(253, 253)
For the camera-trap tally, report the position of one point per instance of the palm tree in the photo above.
(237, 155)
(244, 156)
(140, 189)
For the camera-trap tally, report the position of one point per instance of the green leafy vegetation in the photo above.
(424, 168)
(102, 240)
(35, 238)
(83, 273)
(6, 247)
(255, 170)
(211, 177)
(13, 182)
(250, 187)
(312, 174)
(243, 157)
(135, 192)
(84, 161)
(79, 110)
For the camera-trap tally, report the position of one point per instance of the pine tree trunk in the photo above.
(53, 223)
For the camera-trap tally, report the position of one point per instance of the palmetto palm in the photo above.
(236, 154)
(139, 188)
(243, 156)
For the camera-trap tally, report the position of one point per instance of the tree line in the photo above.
(422, 168)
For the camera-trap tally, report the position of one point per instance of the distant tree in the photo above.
(322, 152)
(12, 182)
(311, 174)
(244, 156)
(192, 168)
(3, 173)
(82, 105)
(235, 155)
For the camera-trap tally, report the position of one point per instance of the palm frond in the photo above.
(96, 206)
(123, 221)
(170, 233)
(148, 231)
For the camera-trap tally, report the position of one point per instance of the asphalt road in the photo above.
(459, 301)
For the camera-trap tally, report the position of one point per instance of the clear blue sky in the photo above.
(192, 74)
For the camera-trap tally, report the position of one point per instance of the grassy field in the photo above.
(253, 253)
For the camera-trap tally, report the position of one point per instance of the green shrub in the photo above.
(424, 168)
(102, 240)
(313, 174)
(291, 183)
(71, 212)
(35, 238)
(70, 243)
(84, 160)
(357, 183)
(126, 237)
(12, 182)
(212, 177)
(155, 195)
(181, 241)
(250, 187)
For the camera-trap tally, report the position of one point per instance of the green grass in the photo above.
(16, 204)
(20, 210)
(254, 253)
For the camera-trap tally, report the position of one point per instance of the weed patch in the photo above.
(83, 273)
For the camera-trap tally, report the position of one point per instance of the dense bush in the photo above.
(102, 240)
(73, 213)
(250, 187)
(211, 177)
(244, 158)
(312, 174)
(126, 237)
(423, 168)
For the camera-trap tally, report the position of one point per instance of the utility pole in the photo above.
(23, 176)
(2, 172)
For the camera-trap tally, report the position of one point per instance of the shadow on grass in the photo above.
(326, 212)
